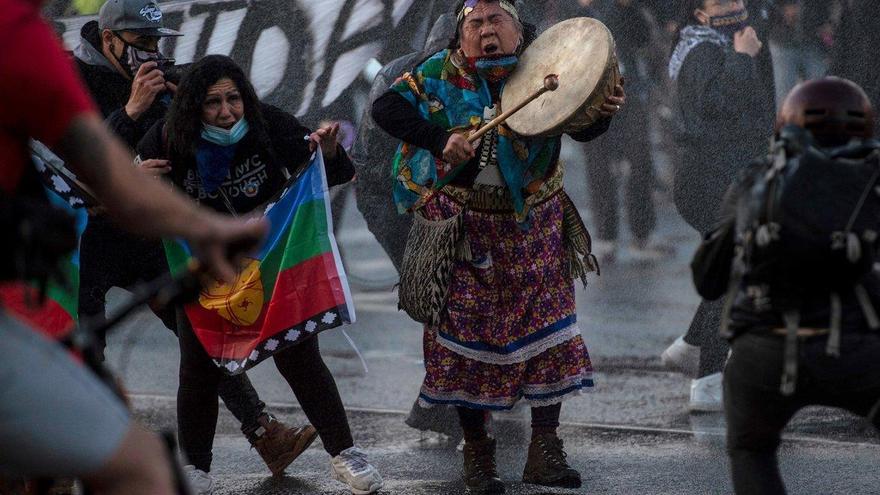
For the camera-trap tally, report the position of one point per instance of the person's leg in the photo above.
(242, 400)
(480, 471)
(814, 64)
(641, 213)
(546, 463)
(58, 420)
(604, 201)
(315, 390)
(756, 413)
(545, 420)
(196, 397)
(639, 192)
(851, 381)
(704, 333)
(94, 280)
(785, 70)
(473, 424)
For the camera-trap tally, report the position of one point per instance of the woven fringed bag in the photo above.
(432, 248)
(577, 241)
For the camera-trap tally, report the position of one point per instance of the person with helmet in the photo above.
(796, 254)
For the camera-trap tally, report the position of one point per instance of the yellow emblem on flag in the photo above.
(240, 303)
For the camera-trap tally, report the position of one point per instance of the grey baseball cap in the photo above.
(141, 16)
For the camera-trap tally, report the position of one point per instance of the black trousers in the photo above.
(301, 366)
(111, 258)
(605, 153)
(757, 412)
(701, 181)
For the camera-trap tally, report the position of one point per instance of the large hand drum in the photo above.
(581, 52)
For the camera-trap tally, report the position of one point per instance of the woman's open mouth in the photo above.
(490, 49)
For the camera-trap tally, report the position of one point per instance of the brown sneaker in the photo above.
(480, 473)
(279, 444)
(547, 466)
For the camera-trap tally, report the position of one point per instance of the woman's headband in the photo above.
(470, 4)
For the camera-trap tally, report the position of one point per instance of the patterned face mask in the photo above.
(494, 68)
(133, 58)
(730, 24)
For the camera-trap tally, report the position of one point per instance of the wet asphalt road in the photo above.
(628, 316)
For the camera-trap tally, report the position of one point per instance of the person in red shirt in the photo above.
(57, 419)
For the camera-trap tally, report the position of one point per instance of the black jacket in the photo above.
(257, 173)
(726, 102)
(111, 90)
(755, 312)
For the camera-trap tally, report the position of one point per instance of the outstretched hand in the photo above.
(224, 241)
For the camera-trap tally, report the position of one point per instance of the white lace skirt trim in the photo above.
(520, 355)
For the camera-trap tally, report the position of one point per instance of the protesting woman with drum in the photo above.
(496, 243)
(232, 153)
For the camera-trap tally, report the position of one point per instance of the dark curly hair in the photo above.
(529, 31)
(184, 121)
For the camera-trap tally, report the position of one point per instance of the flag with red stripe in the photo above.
(293, 288)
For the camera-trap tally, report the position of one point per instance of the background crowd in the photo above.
(672, 152)
(696, 111)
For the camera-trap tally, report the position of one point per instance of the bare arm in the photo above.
(149, 207)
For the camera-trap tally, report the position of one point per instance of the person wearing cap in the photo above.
(123, 68)
(56, 417)
(507, 329)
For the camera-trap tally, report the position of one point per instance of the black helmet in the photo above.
(834, 110)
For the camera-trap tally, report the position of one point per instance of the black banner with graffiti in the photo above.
(308, 57)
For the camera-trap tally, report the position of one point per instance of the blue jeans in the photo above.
(791, 64)
(757, 412)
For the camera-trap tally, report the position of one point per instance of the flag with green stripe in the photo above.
(293, 288)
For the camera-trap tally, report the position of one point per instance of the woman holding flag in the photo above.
(232, 153)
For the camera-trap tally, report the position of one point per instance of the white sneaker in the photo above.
(707, 394)
(352, 468)
(200, 482)
(682, 357)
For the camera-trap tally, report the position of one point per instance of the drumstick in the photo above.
(551, 82)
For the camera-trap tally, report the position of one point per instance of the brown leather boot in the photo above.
(480, 474)
(279, 444)
(546, 464)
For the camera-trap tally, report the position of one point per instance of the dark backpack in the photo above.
(809, 222)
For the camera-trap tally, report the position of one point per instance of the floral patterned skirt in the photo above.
(509, 330)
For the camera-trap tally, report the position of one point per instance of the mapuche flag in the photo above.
(293, 288)
(56, 315)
